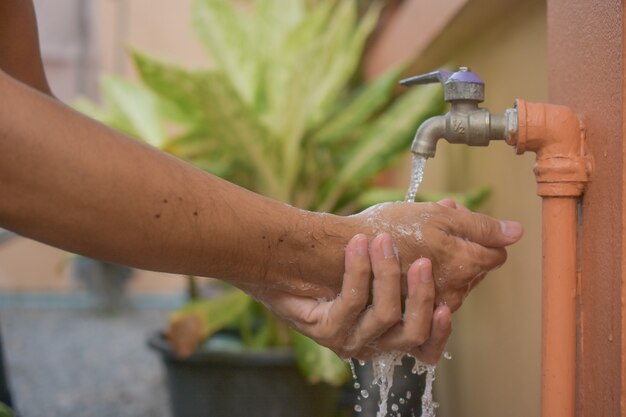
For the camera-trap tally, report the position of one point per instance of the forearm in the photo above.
(20, 56)
(78, 185)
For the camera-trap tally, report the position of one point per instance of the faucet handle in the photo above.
(430, 78)
(462, 85)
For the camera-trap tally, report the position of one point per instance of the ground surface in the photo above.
(76, 363)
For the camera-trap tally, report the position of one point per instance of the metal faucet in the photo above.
(465, 122)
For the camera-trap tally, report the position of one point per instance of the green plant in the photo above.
(283, 113)
(5, 411)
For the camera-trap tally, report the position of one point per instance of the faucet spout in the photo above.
(473, 126)
(466, 122)
(427, 135)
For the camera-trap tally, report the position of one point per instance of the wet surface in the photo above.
(78, 363)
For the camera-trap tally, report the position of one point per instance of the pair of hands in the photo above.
(351, 328)
(426, 257)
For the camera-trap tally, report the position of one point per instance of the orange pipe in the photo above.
(562, 170)
(558, 300)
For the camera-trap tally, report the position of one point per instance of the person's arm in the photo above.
(73, 183)
(19, 44)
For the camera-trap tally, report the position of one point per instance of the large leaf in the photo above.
(318, 363)
(130, 108)
(199, 320)
(229, 37)
(357, 111)
(345, 63)
(225, 118)
(139, 106)
(383, 141)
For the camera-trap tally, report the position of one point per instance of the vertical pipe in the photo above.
(558, 391)
(562, 169)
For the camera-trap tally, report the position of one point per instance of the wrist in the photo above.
(313, 263)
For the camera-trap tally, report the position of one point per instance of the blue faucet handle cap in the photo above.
(464, 75)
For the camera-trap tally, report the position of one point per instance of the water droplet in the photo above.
(447, 355)
(357, 408)
(364, 393)
(401, 400)
(394, 407)
(357, 385)
(352, 368)
(362, 363)
(408, 395)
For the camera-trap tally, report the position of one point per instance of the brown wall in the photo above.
(586, 59)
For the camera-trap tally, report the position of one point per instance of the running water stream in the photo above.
(418, 163)
(384, 364)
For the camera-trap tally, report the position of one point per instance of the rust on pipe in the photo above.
(562, 169)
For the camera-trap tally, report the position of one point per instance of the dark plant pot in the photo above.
(403, 381)
(232, 384)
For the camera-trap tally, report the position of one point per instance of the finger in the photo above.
(352, 299)
(485, 230)
(302, 312)
(431, 350)
(416, 325)
(448, 202)
(386, 289)
(481, 259)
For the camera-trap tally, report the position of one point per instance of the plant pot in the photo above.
(222, 383)
(403, 381)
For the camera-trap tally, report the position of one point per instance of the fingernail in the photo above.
(424, 272)
(388, 251)
(511, 229)
(361, 245)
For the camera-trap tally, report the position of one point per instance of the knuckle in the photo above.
(331, 336)
(388, 316)
(354, 299)
(486, 226)
(417, 338)
(361, 268)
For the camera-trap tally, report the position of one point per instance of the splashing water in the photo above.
(428, 404)
(383, 367)
(384, 364)
(418, 164)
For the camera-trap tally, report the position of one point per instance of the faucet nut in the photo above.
(510, 133)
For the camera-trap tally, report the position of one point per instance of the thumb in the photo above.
(485, 230)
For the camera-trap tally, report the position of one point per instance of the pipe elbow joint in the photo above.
(557, 136)
(427, 135)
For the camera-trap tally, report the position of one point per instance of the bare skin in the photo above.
(71, 182)
(346, 326)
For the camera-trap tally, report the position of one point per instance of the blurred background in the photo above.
(65, 357)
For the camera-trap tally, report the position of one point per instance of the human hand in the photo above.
(350, 329)
(463, 246)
